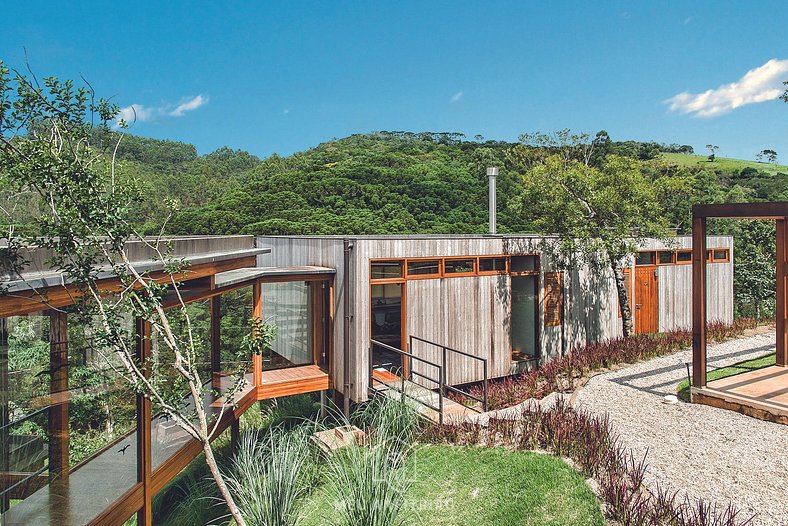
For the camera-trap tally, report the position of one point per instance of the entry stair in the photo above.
(430, 400)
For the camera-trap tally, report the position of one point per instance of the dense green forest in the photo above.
(383, 183)
(402, 182)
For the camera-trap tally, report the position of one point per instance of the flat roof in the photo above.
(196, 250)
(233, 277)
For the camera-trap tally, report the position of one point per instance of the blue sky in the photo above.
(281, 77)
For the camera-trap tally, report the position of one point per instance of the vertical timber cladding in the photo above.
(553, 299)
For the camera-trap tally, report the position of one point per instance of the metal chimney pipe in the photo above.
(492, 173)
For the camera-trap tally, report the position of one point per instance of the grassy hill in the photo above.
(721, 163)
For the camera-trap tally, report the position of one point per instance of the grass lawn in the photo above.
(701, 161)
(724, 372)
(456, 486)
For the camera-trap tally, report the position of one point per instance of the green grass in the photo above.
(724, 372)
(484, 487)
(721, 163)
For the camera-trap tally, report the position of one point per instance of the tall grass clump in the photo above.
(270, 474)
(368, 482)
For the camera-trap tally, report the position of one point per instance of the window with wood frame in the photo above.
(683, 257)
(646, 258)
(459, 266)
(423, 268)
(720, 255)
(492, 265)
(665, 257)
(386, 269)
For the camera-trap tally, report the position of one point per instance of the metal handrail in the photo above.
(439, 381)
(445, 350)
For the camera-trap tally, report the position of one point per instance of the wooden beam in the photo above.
(257, 312)
(698, 301)
(781, 313)
(774, 210)
(25, 302)
(144, 462)
(216, 331)
(58, 410)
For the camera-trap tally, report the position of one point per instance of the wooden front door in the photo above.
(646, 300)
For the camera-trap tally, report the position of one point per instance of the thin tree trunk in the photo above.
(623, 298)
(219, 479)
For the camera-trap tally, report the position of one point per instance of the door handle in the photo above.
(638, 305)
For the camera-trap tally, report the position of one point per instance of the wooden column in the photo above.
(216, 351)
(5, 413)
(699, 301)
(145, 514)
(58, 407)
(257, 312)
(781, 313)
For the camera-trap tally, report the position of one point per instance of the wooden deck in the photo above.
(293, 380)
(761, 394)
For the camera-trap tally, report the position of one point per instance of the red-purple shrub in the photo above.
(588, 441)
(561, 373)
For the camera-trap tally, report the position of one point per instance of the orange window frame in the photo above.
(481, 272)
(714, 258)
(685, 262)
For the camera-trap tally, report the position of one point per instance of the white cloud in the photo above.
(140, 113)
(286, 111)
(687, 20)
(188, 105)
(136, 113)
(456, 97)
(761, 84)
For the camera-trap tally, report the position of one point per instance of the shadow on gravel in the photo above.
(639, 381)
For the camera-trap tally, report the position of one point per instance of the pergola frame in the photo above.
(777, 211)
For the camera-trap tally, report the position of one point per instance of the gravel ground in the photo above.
(714, 454)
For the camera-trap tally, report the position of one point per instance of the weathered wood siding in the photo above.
(674, 284)
(324, 252)
(472, 314)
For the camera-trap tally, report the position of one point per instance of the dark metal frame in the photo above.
(440, 380)
(444, 355)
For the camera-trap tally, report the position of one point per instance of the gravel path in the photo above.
(709, 453)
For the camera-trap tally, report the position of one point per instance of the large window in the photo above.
(288, 306)
(235, 315)
(525, 317)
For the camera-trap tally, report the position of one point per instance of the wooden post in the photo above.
(58, 407)
(699, 301)
(5, 500)
(145, 514)
(781, 313)
(216, 351)
(235, 434)
(257, 312)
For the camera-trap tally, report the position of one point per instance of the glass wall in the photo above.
(525, 302)
(68, 445)
(235, 310)
(387, 326)
(288, 306)
(192, 323)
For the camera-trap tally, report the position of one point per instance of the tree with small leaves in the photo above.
(57, 147)
(712, 151)
(600, 213)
